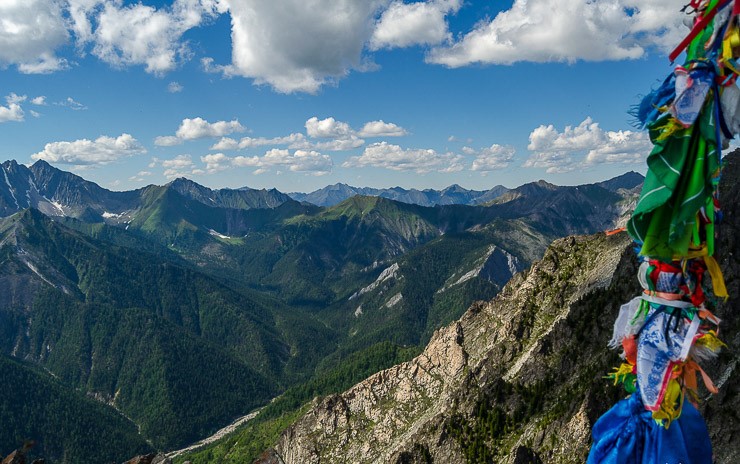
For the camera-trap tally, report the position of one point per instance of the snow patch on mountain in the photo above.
(10, 187)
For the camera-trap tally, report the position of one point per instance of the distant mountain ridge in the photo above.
(452, 195)
(59, 193)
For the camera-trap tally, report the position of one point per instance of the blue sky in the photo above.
(299, 94)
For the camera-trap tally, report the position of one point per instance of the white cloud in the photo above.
(342, 135)
(226, 144)
(140, 176)
(381, 129)
(138, 34)
(331, 145)
(197, 128)
(39, 101)
(567, 30)
(84, 152)
(328, 128)
(179, 166)
(554, 163)
(294, 140)
(14, 98)
(71, 103)
(310, 43)
(12, 112)
(556, 151)
(215, 162)
(623, 147)
(30, 33)
(419, 23)
(393, 157)
(35, 114)
(175, 87)
(179, 162)
(306, 161)
(167, 141)
(493, 158)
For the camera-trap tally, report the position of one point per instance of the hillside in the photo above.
(173, 349)
(517, 379)
(184, 307)
(60, 419)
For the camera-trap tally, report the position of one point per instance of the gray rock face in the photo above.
(402, 413)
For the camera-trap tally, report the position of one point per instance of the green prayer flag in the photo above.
(678, 184)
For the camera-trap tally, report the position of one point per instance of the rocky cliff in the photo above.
(518, 379)
(429, 409)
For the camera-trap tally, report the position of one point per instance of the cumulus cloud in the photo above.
(122, 35)
(175, 87)
(566, 30)
(342, 136)
(84, 152)
(140, 176)
(328, 128)
(30, 33)
(294, 140)
(331, 145)
(311, 43)
(14, 98)
(381, 129)
(139, 34)
(623, 147)
(167, 141)
(419, 23)
(39, 101)
(306, 161)
(179, 166)
(198, 128)
(393, 157)
(559, 152)
(12, 112)
(215, 162)
(493, 158)
(554, 163)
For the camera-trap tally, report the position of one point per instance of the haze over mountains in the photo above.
(183, 307)
(452, 195)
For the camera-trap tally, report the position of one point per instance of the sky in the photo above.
(300, 94)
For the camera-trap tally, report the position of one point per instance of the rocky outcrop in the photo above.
(518, 379)
(403, 414)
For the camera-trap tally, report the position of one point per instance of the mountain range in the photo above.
(452, 195)
(518, 379)
(180, 308)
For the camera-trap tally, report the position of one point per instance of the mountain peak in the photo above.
(40, 163)
(628, 180)
(182, 181)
